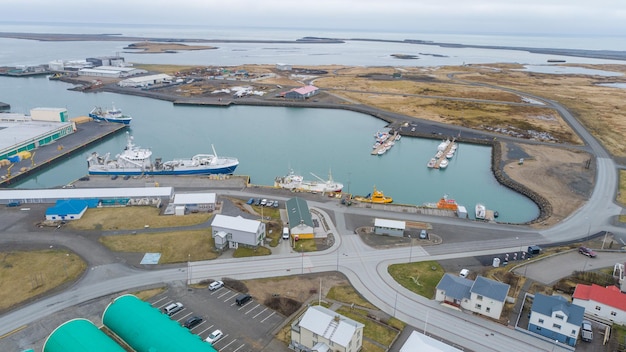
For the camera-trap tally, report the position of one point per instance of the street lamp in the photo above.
(302, 251)
(554, 346)
(411, 252)
(188, 269)
(395, 304)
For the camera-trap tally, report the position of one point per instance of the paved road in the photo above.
(367, 267)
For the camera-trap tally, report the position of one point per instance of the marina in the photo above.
(445, 151)
(384, 142)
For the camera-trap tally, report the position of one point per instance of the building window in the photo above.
(559, 316)
(479, 297)
(478, 306)
(540, 321)
(538, 328)
(556, 326)
(598, 308)
(573, 332)
(488, 309)
(613, 313)
(314, 335)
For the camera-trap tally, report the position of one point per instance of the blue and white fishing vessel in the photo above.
(110, 115)
(138, 161)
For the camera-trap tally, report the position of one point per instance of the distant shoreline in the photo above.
(619, 55)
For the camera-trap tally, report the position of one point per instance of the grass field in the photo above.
(421, 278)
(175, 247)
(27, 274)
(347, 294)
(133, 218)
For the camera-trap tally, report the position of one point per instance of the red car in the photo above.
(587, 251)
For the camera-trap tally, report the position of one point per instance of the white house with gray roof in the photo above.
(321, 329)
(556, 318)
(483, 296)
(234, 231)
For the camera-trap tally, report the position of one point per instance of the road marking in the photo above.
(261, 312)
(159, 300)
(238, 348)
(13, 332)
(224, 294)
(230, 297)
(207, 329)
(184, 316)
(222, 339)
(263, 321)
(253, 308)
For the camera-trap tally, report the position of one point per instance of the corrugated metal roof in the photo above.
(422, 343)
(298, 212)
(321, 321)
(194, 198)
(611, 295)
(236, 223)
(490, 288)
(80, 335)
(146, 329)
(67, 207)
(85, 193)
(305, 89)
(392, 224)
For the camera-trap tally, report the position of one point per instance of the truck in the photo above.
(586, 331)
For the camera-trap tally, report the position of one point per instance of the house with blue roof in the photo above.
(67, 209)
(556, 318)
(483, 296)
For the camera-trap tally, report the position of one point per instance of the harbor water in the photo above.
(269, 141)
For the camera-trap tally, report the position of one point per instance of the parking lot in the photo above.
(250, 327)
(245, 328)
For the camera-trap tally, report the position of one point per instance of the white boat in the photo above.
(443, 145)
(295, 182)
(443, 163)
(481, 211)
(138, 161)
(439, 154)
(382, 150)
(450, 154)
(431, 163)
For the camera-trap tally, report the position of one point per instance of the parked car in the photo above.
(269, 203)
(587, 251)
(215, 285)
(192, 322)
(173, 308)
(423, 234)
(250, 201)
(275, 204)
(258, 202)
(263, 202)
(215, 335)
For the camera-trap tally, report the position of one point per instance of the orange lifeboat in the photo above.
(448, 204)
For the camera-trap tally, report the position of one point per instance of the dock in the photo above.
(385, 144)
(48, 155)
(449, 147)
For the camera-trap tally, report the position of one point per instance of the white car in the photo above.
(215, 285)
(215, 335)
(263, 202)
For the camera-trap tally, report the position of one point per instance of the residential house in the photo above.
(483, 296)
(556, 318)
(321, 329)
(234, 231)
(607, 303)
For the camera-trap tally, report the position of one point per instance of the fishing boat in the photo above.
(431, 163)
(138, 161)
(443, 163)
(450, 154)
(110, 115)
(443, 145)
(295, 182)
(444, 203)
(481, 211)
(374, 197)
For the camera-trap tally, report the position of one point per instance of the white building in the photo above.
(234, 231)
(321, 329)
(483, 296)
(145, 81)
(389, 227)
(195, 202)
(607, 303)
(422, 343)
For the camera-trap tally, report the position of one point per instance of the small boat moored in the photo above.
(110, 115)
(481, 212)
(374, 197)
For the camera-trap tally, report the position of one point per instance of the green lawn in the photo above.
(421, 278)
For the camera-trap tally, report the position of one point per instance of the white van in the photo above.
(285, 233)
(464, 273)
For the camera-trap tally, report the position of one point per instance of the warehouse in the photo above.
(111, 71)
(79, 335)
(234, 231)
(300, 218)
(389, 227)
(105, 195)
(145, 81)
(195, 202)
(145, 329)
(302, 93)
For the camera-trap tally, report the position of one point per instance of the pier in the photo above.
(450, 147)
(45, 156)
(384, 144)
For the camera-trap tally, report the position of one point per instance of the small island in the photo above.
(152, 48)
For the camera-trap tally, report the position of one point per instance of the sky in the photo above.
(560, 17)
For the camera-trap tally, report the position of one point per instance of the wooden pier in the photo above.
(444, 153)
(392, 138)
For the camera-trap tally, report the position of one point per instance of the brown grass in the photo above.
(621, 191)
(28, 274)
(133, 218)
(175, 247)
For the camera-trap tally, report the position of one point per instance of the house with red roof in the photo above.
(607, 303)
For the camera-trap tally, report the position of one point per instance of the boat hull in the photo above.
(175, 172)
(125, 121)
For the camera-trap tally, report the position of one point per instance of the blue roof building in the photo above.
(483, 295)
(67, 209)
(556, 318)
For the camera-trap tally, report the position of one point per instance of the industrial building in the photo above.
(111, 71)
(20, 132)
(106, 196)
(389, 227)
(302, 93)
(79, 335)
(230, 231)
(194, 202)
(300, 219)
(145, 81)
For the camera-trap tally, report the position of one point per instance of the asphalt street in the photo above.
(365, 267)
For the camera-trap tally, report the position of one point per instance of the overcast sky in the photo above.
(575, 17)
